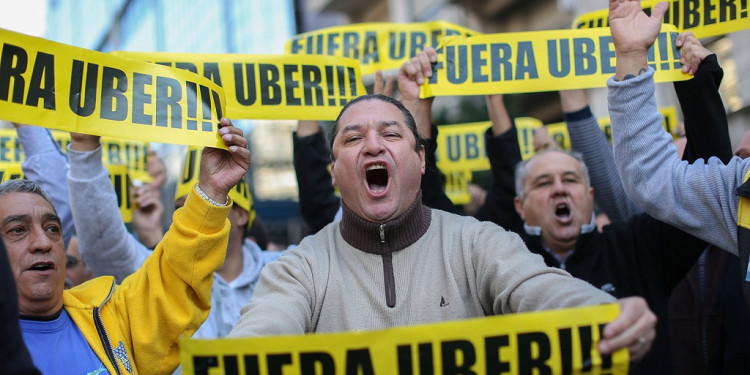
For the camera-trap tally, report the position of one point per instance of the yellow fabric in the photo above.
(169, 297)
(743, 210)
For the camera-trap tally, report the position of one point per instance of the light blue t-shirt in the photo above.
(58, 347)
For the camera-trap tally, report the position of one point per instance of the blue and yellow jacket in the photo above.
(136, 326)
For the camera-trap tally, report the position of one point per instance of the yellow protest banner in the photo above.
(549, 342)
(292, 87)
(705, 18)
(559, 131)
(539, 61)
(74, 89)
(377, 46)
(462, 151)
(10, 171)
(461, 147)
(118, 174)
(457, 186)
(115, 151)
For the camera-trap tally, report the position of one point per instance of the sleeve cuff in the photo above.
(85, 164)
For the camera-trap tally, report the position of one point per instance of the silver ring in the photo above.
(642, 340)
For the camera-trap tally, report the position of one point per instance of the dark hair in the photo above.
(24, 186)
(408, 118)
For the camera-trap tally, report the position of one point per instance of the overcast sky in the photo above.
(26, 16)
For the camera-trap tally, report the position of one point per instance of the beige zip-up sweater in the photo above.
(426, 266)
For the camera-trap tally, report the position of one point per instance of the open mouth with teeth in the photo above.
(42, 266)
(562, 211)
(376, 177)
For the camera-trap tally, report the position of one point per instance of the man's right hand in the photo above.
(633, 33)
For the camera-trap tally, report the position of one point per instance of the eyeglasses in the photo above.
(71, 261)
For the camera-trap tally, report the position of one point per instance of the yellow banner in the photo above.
(539, 61)
(120, 178)
(462, 150)
(559, 131)
(74, 89)
(461, 147)
(272, 86)
(118, 174)
(10, 171)
(705, 18)
(548, 342)
(115, 151)
(457, 186)
(377, 46)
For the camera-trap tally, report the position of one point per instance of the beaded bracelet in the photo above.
(206, 197)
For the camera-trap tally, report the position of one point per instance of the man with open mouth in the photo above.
(391, 261)
(131, 327)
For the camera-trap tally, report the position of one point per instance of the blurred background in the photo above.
(264, 26)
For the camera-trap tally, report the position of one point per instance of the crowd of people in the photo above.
(87, 294)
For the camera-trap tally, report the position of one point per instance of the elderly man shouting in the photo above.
(135, 326)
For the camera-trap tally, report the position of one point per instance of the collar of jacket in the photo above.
(383, 238)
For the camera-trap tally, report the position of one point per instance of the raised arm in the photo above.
(504, 153)
(412, 74)
(588, 139)
(45, 164)
(104, 242)
(174, 285)
(699, 198)
(706, 125)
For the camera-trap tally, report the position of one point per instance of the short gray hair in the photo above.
(520, 171)
(24, 186)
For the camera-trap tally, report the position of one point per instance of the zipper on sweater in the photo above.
(103, 335)
(382, 233)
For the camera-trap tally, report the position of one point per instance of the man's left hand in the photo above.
(634, 328)
(222, 169)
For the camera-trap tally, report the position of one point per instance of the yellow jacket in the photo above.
(135, 327)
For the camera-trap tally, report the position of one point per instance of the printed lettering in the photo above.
(269, 84)
(9, 70)
(114, 104)
(245, 94)
(291, 84)
(478, 63)
(42, 85)
(211, 71)
(528, 344)
(370, 51)
(492, 346)
(77, 90)
(585, 62)
(457, 68)
(141, 98)
(317, 363)
(351, 44)
(168, 95)
(311, 79)
(500, 54)
(450, 353)
(358, 361)
(526, 63)
(558, 62)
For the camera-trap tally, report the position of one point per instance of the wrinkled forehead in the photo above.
(372, 111)
(24, 203)
(552, 163)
